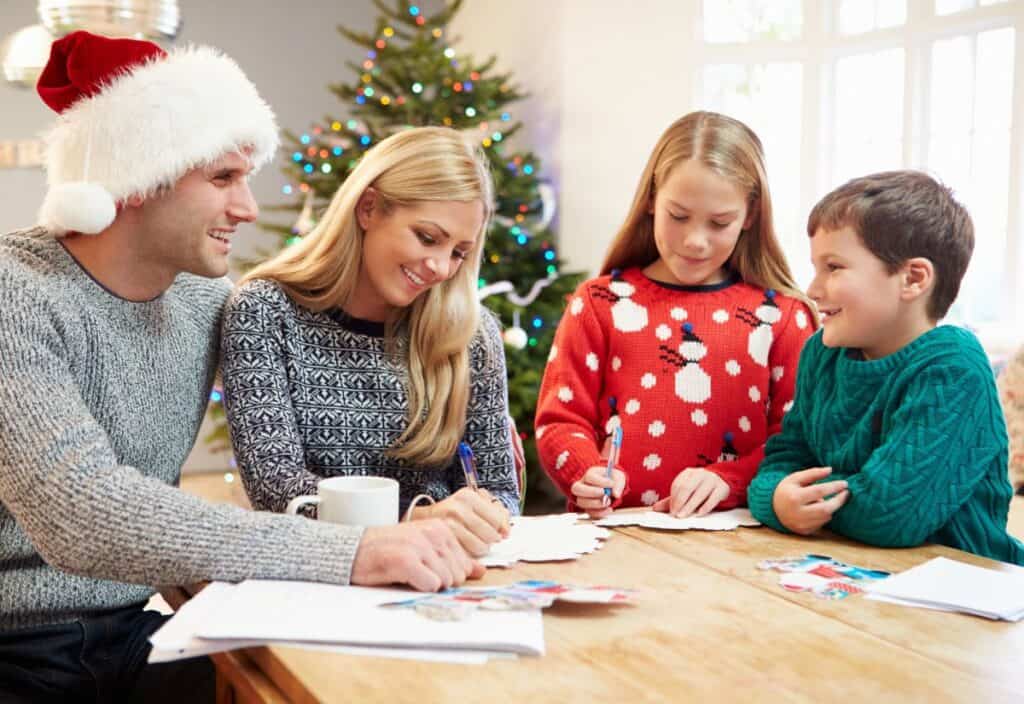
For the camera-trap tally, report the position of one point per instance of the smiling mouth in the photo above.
(828, 313)
(413, 278)
(220, 237)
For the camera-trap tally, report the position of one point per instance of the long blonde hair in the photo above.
(321, 271)
(733, 151)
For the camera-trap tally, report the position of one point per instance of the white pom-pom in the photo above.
(516, 338)
(77, 206)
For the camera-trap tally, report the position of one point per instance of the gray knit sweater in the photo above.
(100, 402)
(313, 394)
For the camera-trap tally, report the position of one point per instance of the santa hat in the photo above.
(134, 118)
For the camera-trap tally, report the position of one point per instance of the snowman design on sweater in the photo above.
(692, 383)
(759, 344)
(627, 316)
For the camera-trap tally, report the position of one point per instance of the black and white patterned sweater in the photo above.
(311, 395)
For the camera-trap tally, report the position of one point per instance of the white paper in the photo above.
(947, 584)
(323, 613)
(545, 539)
(721, 520)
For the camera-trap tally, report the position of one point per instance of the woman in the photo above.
(363, 350)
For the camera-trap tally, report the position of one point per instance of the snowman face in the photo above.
(693, 351)
(621, 289)
(698, 216)
(768, 314)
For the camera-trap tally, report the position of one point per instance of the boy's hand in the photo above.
(588, 492)
(695, 491)
(802, 506)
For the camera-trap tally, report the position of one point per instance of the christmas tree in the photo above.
(412, 75)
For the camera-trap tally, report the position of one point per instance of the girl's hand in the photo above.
(588, 493)
(478, 519)
(695, 491)
(803, 506)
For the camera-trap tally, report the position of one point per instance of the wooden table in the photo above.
(710, 627)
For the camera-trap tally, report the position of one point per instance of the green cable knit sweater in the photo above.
(918, 435)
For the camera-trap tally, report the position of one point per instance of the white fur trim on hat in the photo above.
(147, 129)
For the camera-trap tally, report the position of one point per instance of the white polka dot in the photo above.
(720, 316)
(622, 289)
(678, 314)
(539, 433)
(801, 319)
(699, 417)
(777, 373)
(592, 362)
(652, 462)
(576, 306)
(744, 424)
(733, 367)
(632, 406)
(649, 497)
(787, 406)
(616, 364)
(656, 429)
(579, 435)
(755, 394)
(561, 459)
(565, 394)
(648, 380)
(663, 332)
(553, 354)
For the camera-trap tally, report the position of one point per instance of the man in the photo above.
(109, 315)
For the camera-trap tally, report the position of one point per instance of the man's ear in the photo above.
(917, 278)
(364, 208)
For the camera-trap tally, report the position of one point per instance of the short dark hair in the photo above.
(899, 215)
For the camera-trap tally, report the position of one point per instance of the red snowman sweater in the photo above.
(698, 376)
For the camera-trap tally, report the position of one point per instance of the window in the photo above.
(842, 88)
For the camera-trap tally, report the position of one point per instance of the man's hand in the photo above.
(802, 506)
(423, 554)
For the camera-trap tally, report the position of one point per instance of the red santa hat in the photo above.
(133, 118)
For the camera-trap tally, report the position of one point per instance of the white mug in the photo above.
(354, 501)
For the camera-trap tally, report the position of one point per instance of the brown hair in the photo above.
(732, 150)
(899, 215)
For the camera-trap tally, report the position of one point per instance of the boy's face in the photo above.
(859, 300)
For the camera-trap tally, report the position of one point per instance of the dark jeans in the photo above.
(100, 659)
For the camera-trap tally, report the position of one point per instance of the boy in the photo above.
(900, 414)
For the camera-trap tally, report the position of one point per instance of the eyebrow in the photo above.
(724, 213)
(443, 231)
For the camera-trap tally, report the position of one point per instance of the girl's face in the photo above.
(698, 216)
(408, 250)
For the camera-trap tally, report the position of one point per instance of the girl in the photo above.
(362, 349)
(688, 340)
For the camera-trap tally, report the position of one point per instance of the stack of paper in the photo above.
(258, 612)
(948, 585)
(721, 520)
(545, 539)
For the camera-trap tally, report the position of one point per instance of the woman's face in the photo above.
(410, 249)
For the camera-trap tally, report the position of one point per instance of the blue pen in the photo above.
(468, 466)
(613, 456)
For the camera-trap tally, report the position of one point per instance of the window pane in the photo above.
(859, 16)
(745, 20)
(992, 106)
(868, 127)
(952, 86)
(767, 97)
(969, 149)
(948, 7)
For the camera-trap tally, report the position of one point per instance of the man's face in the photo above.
(189, 228)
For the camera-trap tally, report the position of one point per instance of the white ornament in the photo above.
(516, 338)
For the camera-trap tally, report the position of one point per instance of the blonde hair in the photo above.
(733, 151)
(321, 271)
